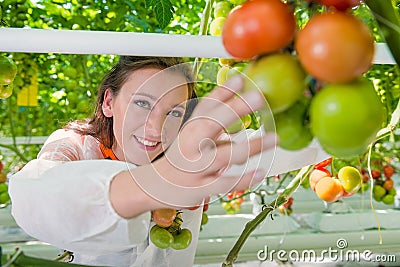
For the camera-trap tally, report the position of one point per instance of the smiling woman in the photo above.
(145, 121)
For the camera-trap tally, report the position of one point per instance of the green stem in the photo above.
(394, 120)
(14, 146)
(85, 71)
(14, 149)
(389, 24)
(203, 31)
(252, 225)
(19, 259)
(281, 181)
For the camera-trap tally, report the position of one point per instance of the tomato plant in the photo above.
(247, 33)
(345, 118)
(335, 47)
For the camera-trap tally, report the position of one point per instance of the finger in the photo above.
(212, 122)
(220, 94)
(229, 154)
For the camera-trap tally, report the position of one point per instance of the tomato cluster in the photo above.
(4, 197)
(311, 77)
(232, 204)
(167, 231)
(330, 188)
(383, 185)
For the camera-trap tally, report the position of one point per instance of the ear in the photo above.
(106, 106)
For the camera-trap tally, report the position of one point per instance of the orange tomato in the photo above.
(335, 47)
(164, 217)
(329, 189)
(388, 184)
(317, 175)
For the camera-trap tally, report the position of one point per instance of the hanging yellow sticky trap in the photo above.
(28, 96)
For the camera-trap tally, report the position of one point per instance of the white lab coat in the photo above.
(62, 198)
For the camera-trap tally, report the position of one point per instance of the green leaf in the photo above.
(163, 10)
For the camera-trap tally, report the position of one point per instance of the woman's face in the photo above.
(147, 113)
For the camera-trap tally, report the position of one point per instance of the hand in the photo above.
(193, 166)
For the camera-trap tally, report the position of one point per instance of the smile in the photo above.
(146, 142)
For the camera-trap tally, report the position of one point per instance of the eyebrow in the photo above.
(155, 99)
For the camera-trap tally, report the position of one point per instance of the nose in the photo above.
(154, 125)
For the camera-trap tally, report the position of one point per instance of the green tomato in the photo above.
(4, 198)
(6, 91)
(378, 192)
(350, 178)
(3, 187)
(8, 70)
(222, 9)
(216, 26)
(71, 84)
(364, 188)
(181, 239)
(222, 75)
(345, 118)
(83, 106)
(280, 78)
(160, 237)
(204, 218)
(388, 199)
(72, 98)
(237, 2)
(392, 191)
(290, 126)
(71, 72)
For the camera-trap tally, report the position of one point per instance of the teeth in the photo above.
(146, 142)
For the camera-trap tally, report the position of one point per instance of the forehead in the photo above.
(157, 83)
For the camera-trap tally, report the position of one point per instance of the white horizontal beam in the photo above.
(23, 140)
(126, 43)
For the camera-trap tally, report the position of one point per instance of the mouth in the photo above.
(147, 144)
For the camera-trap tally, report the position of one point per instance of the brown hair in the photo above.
(100, 126)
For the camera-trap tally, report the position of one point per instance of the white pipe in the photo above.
(126, 43)
(107, 42)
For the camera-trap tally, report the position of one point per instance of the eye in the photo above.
(176, 113)
(142, 103)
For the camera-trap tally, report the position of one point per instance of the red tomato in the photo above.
(388, 171)
(335, 47)
(258, 27)
(340, 4)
